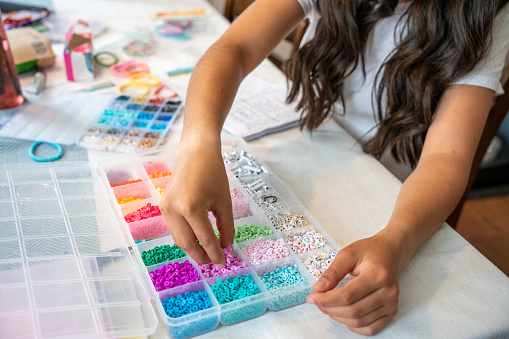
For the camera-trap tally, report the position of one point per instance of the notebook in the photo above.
(263, 112)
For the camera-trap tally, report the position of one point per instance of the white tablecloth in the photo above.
(448, 290)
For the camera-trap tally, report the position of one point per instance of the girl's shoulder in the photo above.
(488, 72)
(307, 6)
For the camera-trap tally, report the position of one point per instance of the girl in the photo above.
(412, 81)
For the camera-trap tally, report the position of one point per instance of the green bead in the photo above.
(252, 231)
(160, 254)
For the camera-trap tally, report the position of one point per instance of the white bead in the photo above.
(252, 169)
(256, 184)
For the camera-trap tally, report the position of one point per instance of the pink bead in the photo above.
(265, 250)
(233, 263)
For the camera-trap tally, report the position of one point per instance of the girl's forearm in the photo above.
(425, 201)
(216, 78)
(211, 92)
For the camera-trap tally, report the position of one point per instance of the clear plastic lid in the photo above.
(65, 269)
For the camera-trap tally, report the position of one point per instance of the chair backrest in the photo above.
(234, 8)
(497, 114)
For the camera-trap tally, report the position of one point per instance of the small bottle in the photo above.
(10, 91)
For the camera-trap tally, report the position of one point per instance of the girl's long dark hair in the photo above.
(441, 41)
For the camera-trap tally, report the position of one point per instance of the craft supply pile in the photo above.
(136, 61)
(277, 255)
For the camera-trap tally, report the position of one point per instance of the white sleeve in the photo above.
(489, 70)
(307, 6)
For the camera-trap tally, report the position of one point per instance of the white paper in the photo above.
(261, 113)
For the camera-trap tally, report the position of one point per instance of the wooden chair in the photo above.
(234, 8)
(495, 118)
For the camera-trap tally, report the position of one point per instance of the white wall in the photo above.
(218, 4)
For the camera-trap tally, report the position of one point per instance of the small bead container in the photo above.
(264, 249)
(203, 320)
(135, 191)
(247, 300)
(251, 231)
(161, 254)
(305, 239)
(318, 261)
(233, 263)
(287, 281)
(174, 273)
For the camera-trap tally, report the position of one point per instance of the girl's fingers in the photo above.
(224, 223)
(344, 263)
(375, 326)
(364, 306)
(372, 319)
(185, 238)
(205, 234)
(353, 291)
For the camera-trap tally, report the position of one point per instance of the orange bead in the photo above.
(158, 174)
(132, 181)
(130, 199)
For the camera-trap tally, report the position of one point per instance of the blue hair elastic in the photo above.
(36, 144)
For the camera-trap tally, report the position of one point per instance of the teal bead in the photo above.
(234, 289)
(282, 277)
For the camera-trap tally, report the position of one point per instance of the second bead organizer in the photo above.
(279, 252)
(131, 123)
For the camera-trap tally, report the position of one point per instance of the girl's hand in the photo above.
(198, 185)
(366, 303)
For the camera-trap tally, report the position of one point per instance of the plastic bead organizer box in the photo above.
(131, 123)
(66, 270)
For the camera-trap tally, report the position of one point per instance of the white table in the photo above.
(448, 290)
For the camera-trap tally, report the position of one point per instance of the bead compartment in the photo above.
(291, 295)
(245, 308)
(273, 240)
(195, 323)
(191, 268)
(322, 239)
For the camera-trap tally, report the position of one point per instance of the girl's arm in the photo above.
(199, 183)
(424, 202)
